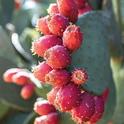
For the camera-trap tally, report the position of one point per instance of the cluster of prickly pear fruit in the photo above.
(61, 38)
(20, 77)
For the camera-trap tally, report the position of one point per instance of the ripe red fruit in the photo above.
(18, 4)
(27, 91)
(68, 97)
(52, 118)
(21, 78)
(42, 25)
(84, 10)
(79, 76)
(69, 9)
(85, 110)
(53, 9)
(72, 37)
(8, 74)
(43, 107)
(45, 42)
(99, 109)
(41, 70)
(58, 77)
(51, 96)
(81, 3)
(57, 57)
(105, 94)
(57, 24)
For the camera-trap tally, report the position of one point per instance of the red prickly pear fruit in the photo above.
(43, 107)
(84, 10)
(42, 25)
(99, 109)
(53, 9)
(41, 70)
(45, 42)
(68, 97)
(21, 78)
(72, 37)
(52, 118)
(8, 74)
(27, 91)
(58, 77)
(85, 110)
(18, 4)
(81, 3)
(79, 76)
(57, 24)
(105, 94)
(51, 96)
(57, 57)
(69, 9)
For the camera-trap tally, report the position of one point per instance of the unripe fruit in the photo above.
(53, 9)
(79, 76)
(43, 107)
(27, 91)
(68, 97)
(42, 25)
(85, 110)
(52, 118)
(72, 37)
(57, 57)
(84, 10)
(110, 122)
(58, 77)
(8, 74)
(41, 70)
(69, 9)
(21, 78)
(51, 96)
(57, 24)
(99, 109)
(45, 42)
